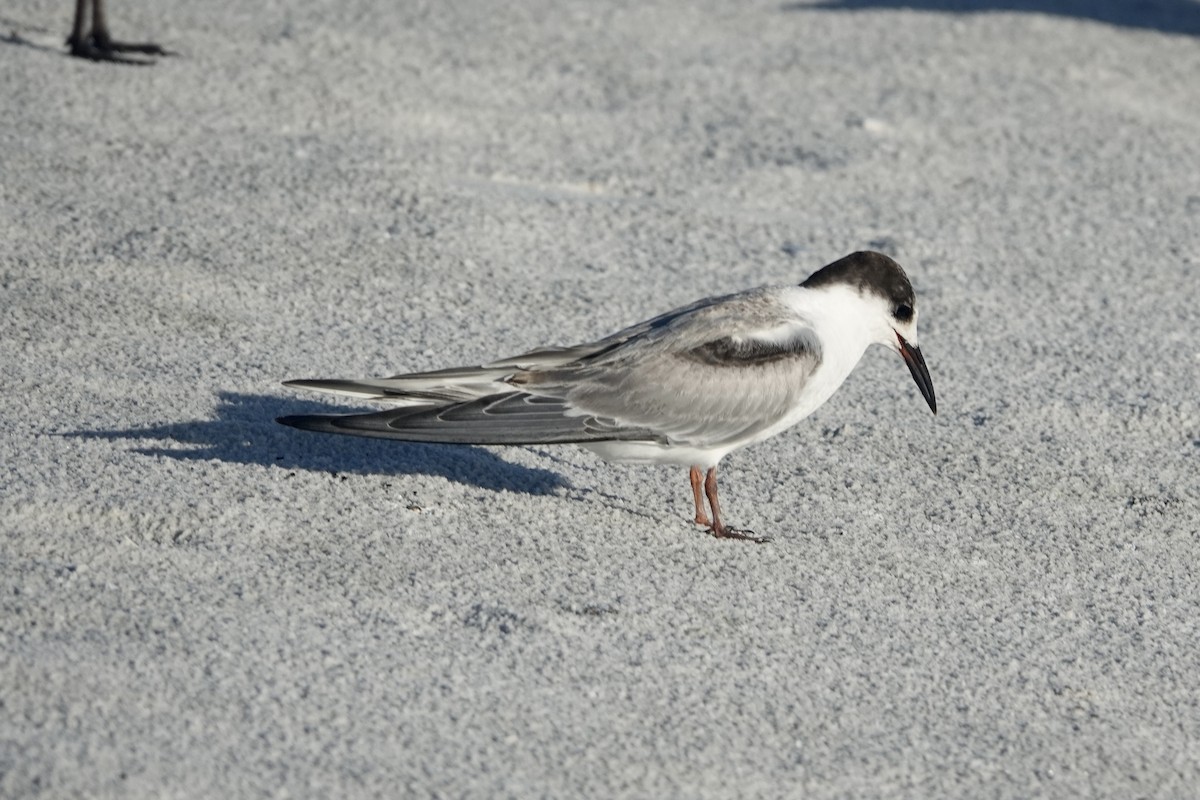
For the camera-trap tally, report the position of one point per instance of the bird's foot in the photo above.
(736, 533)
(102, 48)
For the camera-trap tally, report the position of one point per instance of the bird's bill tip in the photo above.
(916, 365)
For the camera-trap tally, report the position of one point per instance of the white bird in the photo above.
(687, 387)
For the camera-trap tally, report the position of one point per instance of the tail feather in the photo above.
(466, 405)
(443, 386)
(417, 391)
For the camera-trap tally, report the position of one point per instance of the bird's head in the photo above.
(881, 282)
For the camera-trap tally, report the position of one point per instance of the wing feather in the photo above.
(513, 418)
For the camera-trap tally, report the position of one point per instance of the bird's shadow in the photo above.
(244, 431)
(14, 37)
(1168, 16)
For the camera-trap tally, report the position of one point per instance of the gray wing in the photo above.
(711, 375)
(514, 418)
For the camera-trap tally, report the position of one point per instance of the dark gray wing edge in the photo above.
(515, 418)
(731, 352)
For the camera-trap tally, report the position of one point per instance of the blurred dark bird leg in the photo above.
(97, 44)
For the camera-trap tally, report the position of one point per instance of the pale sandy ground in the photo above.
(1001, 601)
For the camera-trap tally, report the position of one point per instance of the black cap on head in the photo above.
(867, 271)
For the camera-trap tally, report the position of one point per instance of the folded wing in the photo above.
(514, 418)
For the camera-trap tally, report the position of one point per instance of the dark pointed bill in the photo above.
(916, 365)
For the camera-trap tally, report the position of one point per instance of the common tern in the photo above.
(687, 387)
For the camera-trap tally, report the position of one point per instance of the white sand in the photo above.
(1001, 601)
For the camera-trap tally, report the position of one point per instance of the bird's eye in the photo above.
(903, 313)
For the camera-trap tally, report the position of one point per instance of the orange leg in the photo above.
(717, 527)
(697, 478)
